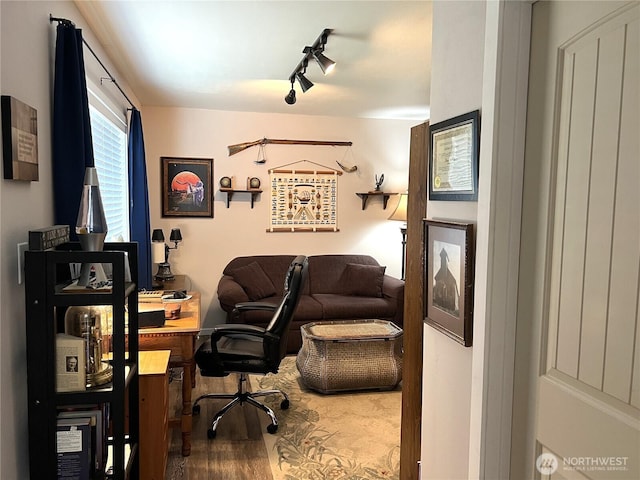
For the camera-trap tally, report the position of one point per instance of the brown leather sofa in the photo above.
(339, 287)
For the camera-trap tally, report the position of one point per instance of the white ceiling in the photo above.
(238, 55)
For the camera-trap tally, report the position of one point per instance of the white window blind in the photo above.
(110, 155)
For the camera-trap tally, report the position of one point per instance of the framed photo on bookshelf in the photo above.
(70, 364)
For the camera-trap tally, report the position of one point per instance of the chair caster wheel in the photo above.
(196, 410)
(272, 428)
(211, 434)
(284, 405)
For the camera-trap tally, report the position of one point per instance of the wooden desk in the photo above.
(154, 404)
(179, 336)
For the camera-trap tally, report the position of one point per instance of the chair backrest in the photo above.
(278, 328)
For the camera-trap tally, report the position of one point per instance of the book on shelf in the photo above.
(70, 363)
(97, 414)
(73, 448)
(48, 237)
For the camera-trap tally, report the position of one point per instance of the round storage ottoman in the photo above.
(350, 355)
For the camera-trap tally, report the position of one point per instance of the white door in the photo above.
(580, 259)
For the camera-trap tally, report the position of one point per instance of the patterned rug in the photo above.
(345, 436)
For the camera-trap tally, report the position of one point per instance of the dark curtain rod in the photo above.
(113, 80)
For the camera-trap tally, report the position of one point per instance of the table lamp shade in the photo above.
(400, 213)
(157, 252)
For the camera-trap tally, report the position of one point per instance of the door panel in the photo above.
(587, 137)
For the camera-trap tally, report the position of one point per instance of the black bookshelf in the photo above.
(47, 273)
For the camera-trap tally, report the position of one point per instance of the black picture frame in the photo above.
(449, 281)
(187, 187)
(454, 158)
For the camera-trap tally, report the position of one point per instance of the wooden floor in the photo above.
(238, 451)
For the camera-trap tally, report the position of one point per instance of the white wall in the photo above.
(27, 42)
(456, 88)
(379, 146)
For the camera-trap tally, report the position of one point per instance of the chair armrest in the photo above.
(246, 306)
(229, 329)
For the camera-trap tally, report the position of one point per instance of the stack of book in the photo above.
(81, 441)
(48, 237)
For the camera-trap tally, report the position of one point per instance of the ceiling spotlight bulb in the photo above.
(305, 83)
(326, 64)
(291, 97)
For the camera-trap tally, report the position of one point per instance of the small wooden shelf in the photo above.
(230, 191)
(385, 198)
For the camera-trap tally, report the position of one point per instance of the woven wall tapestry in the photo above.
(304, 199)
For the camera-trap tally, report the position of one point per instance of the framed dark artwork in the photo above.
(449, 272)
(19, 140)
(187, 187)
(454, 157)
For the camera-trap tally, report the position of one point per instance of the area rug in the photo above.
(345, 436)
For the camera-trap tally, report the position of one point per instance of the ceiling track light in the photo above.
(291, 96)
(315, 51)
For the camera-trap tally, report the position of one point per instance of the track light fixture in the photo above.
(291, 96)
(315, 51)
(305, 83)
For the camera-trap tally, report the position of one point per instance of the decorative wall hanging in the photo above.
(19, 140)
(453, 158)
(187, 187)
(303, 199)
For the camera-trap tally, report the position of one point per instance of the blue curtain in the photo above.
(139, 225)
(72, 143)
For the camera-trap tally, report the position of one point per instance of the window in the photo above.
(110, 155)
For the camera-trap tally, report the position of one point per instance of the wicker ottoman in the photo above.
(350, 355)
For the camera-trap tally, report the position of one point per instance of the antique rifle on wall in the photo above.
(233, 149)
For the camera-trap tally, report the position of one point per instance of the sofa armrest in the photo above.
(393, 288)
(230, 293)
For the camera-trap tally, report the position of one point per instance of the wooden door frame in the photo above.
(411, 423)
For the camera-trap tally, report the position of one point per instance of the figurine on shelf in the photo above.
(378, 183)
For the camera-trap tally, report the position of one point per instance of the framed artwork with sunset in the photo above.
(187, 187)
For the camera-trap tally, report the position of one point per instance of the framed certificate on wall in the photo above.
(453, 158)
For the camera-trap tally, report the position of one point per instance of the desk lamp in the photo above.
(161, 252)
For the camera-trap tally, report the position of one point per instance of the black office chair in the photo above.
(245, 349)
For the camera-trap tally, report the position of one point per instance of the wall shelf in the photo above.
(230, 191)
(385, 198)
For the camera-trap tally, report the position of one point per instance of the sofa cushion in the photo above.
(308, 310)
(274, 266)
(325, 271)
(362, 280)
(337, 307)
(254, 281)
